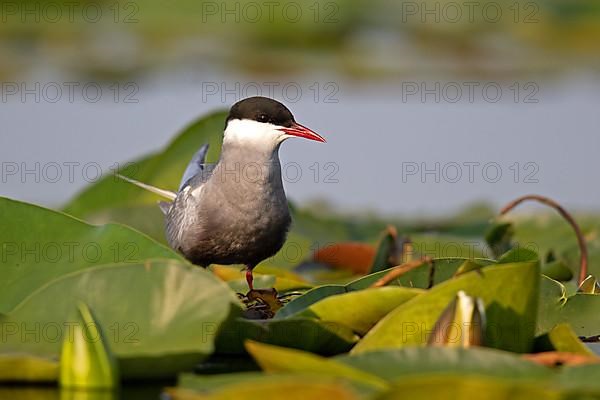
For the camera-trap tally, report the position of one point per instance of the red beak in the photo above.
(301, 131)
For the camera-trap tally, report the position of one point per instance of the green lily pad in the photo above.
(582, 379)
(278, 359)
(499, 237)
(160, 317)
(417, 278)
(308, 334)
(580, 310)
(518, 254)
(557, 270)
(360, 310)
(274, 386)
(442, 269)
(564, 339)
(469, 387)
(387, 251)
(396, 364)
(39, 245)
(510, 295)
(190, 383)
(309, 298)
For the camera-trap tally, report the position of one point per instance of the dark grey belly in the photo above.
(227, 247)
(230, 246)
(235, 238)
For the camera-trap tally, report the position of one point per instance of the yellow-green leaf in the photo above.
(27, 368)
(509, 292)
(280, 359)
(360, 310)
(564, 339)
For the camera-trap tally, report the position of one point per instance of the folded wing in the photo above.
(195, 167)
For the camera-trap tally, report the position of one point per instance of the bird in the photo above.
(235, 211)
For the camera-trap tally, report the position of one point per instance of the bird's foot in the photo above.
(263, 303)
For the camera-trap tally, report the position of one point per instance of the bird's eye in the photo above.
(263, 118)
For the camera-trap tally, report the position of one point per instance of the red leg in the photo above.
(249, 277)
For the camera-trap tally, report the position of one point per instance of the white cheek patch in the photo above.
(249, 132)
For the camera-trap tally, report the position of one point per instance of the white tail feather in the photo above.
(161, 192)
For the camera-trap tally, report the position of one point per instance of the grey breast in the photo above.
(238, 214)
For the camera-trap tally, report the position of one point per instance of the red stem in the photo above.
(583, 260)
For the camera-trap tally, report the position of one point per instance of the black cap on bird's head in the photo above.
(269, 111)
(262, 109)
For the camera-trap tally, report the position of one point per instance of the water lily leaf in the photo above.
(163, 169)
(417, 278)
(440, 270)
(564, 339)
(467, 266)
(308, 298)
(161, 317)
(59, 245)
(20, 367)
(469, 387)
(518, 254)
(580, 311)
(396, 364)
(581, 379)
(274, 386)
(388, 252)
(195, 384)
(211, 383)
(278, 359)
(499, 238)
(308, 334)
(510, 294)
(360, 310)
(557, 270)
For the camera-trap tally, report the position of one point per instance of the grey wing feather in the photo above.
(165, 206)
(195, 167)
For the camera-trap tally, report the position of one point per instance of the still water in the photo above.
(412, 147)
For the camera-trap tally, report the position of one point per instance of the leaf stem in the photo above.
(583, 260)
(400, 270)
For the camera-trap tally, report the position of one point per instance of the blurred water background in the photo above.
(428, 106)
